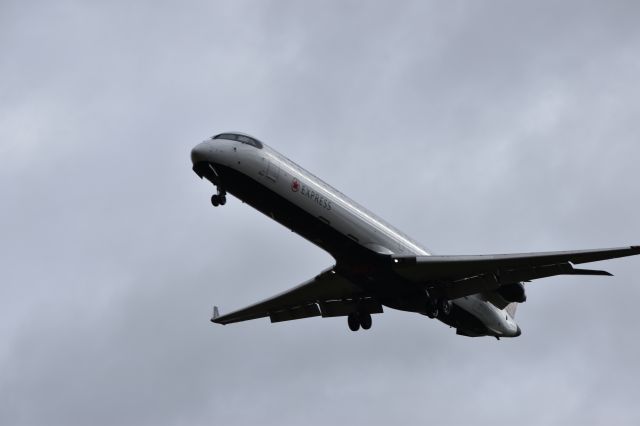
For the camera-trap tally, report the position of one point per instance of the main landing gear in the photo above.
(437, 307)
(359, 319)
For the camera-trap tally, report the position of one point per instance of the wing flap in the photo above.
(299, 302)
(327, 309)
(298, 312)
(338, 308)
(460, 276)
(417, 268)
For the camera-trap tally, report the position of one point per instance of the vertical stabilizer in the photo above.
(511, 309)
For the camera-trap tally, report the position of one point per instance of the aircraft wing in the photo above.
(460, 276)
(328, 294)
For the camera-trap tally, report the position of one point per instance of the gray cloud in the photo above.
(473, 127)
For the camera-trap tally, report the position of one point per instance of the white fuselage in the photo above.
(281, 176)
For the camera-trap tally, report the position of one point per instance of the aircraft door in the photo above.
(270, 170)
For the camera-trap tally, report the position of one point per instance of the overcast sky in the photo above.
(475, 127)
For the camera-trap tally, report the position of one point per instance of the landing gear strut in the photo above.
(219, 199)
(359, 319)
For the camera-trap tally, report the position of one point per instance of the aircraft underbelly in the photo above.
(392, 292)
(278, 208)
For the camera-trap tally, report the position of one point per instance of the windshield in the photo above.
(240, 138)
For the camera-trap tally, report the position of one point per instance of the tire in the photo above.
(365, 320)
(445, 307)
(223, 199)
(353, 321)
(215, 200)
(432, 309)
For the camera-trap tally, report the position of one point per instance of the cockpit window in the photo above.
(240, 138)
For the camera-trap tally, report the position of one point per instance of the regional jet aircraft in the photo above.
(376, 265)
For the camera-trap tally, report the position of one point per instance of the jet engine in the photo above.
(513, 292)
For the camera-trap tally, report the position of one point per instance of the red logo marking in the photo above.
(295, 185)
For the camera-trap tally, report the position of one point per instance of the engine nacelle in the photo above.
(513, 292)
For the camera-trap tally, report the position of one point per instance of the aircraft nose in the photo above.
(518, 331)
(200, 152)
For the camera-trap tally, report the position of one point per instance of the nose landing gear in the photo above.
(219, 199)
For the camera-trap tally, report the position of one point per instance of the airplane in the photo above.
(376, 265)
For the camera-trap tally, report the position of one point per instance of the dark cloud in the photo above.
(473, 127)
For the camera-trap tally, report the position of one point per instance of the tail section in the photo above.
(511, 309)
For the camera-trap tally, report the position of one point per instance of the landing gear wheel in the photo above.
(445, 307)
(365, 320)
(219, 199)
(353, 321)
(432, 309)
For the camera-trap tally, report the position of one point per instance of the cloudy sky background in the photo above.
(474, 127)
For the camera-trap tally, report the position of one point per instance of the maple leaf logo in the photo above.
(295, 185)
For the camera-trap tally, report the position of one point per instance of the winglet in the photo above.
(216, 314)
